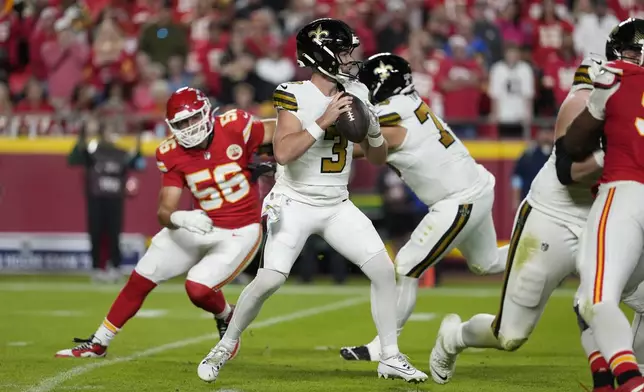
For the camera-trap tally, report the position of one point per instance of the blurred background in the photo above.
(496, 70)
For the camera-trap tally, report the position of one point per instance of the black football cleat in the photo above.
(357, 353)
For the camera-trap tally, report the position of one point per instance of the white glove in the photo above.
(196, 221)
(374, 124)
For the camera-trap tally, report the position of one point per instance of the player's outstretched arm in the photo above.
(290, 142)
(269, 130)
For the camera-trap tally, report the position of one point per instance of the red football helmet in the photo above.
(188, 114)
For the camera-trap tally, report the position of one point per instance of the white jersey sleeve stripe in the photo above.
(247, 130)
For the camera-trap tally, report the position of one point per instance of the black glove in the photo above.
(259, 169)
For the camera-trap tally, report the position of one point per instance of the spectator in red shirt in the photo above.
(43, 32)
(549, 33)
(204, 16)
(559, 72)
(425, 61)
(65, 60)
(207, 58)
(33, 114)
(109, 54)
(460, 79)
(259, 35)
(513, 27)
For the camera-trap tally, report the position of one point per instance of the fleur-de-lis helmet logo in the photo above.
(318, 33)
(383, 71)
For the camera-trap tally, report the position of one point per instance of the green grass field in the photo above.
(293, 345)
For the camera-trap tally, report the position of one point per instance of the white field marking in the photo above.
(52, 313)
(18, 344)
(72, 388)
(52, 382)
(422, 316)
(286, 290)
(151, 313)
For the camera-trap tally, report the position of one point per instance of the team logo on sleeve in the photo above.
(234, 152)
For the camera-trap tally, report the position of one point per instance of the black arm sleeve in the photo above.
(563, 163)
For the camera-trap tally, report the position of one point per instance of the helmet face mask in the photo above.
(188, 115)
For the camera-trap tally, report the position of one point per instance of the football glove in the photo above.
(259, 169)
(196, 221)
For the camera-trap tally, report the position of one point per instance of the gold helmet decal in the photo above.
(318, 33)
(383, 71)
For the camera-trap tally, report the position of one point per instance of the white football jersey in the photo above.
(568, 203)
(431, 160)
(320, 176)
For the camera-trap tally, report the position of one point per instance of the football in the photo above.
(354, 124)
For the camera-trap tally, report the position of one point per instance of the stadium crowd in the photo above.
(490, 67)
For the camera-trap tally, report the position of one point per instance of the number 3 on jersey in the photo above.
(229, 188)
(338, 161)
(423, 112)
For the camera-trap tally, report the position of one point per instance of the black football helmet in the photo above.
(385, 74)
(320, 43)
(628, 35)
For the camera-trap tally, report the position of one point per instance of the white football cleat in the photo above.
(210, 366)
(442, 360)
(398, 366)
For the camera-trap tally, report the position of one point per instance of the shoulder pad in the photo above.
(586, 73)
(284, 96)
(607, 77)
(395, 109)
(164, 154)
(387, 115)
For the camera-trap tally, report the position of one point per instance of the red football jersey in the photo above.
(218, 176)
(618, 99)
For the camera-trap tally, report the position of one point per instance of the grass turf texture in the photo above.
(294, 348)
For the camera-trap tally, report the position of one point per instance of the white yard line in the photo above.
(50, 383)
(286, 290)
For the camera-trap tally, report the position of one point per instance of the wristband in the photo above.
(599, 157)
(315, 131)
(376, 141)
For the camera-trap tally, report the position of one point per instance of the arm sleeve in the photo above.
(255, 135)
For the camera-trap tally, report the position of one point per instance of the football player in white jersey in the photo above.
(542, 254)
(310, 194)
(442, 173)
